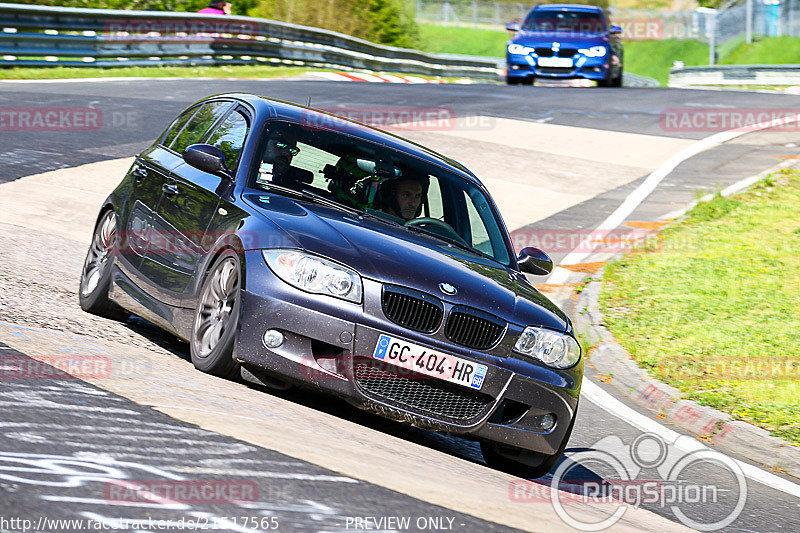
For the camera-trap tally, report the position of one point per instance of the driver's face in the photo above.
(279, 151)
(409, 196)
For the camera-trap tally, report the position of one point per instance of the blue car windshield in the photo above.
(573, 22)
(391, 184)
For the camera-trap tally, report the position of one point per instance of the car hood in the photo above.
(565, 39)
(395, 255)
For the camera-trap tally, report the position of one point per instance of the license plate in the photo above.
(429, 362)
(555, 61)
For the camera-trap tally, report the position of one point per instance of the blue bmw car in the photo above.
(562, 41)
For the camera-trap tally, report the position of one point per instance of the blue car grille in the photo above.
(417, 311)
(420, 393)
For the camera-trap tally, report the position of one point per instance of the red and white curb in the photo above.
(372, 78)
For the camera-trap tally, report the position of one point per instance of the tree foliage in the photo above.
(382, 21)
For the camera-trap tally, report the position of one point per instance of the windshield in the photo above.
(378, 181)
(575, 22)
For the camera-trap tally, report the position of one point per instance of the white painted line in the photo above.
(607, 402)
(615, 219)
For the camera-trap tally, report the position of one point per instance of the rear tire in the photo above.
(528, 464)
(97, 269)
(617, 82)
(217, 317)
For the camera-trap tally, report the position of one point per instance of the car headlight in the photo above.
(594, 51)
(314, 274)
(550, 347)
(518, 49)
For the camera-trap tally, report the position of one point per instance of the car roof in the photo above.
(290, 112)
(566, 7)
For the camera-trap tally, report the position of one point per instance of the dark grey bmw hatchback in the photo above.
(291, 246)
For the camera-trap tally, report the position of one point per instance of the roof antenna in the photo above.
(308, 102)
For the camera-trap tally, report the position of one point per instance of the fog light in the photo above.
(548, 421)
(273, 338)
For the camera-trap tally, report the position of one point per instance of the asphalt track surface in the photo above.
(39, 419)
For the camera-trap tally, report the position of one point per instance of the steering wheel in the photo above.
(438, 227)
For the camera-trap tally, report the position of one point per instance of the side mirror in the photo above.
(512, 26)
(614, 30)
(208, 159)
(534, 261)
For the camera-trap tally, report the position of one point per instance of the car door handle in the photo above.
(170, 189)
(139, 173)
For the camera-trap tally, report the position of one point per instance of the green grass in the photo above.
(655, 58)
(767, 51)
(469, 41)
(241, 71)
(713, 308)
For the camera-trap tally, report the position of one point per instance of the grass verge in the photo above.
(469, 41)
(237, 71)
(713, 307)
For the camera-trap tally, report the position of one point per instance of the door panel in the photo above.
(150, 173)
(179, 218)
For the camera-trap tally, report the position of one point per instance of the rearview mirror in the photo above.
(534, 261)
(614, 29)
(512, 26)
(208, 159)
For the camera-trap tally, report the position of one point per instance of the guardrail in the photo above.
(735, 75)
(58, 36)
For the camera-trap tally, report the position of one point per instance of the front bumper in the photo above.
(329, 344)
(521, 67)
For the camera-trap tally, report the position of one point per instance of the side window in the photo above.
(229, 137)
(197, 127)
(435, 207)
(479, 235)
(177, 125)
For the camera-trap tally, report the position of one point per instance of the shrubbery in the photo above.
(382, 21)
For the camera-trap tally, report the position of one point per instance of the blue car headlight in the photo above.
(314, 274)
(518, 49)
(594, 51)
(550, 347)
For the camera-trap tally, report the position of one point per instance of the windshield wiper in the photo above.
(319, 199)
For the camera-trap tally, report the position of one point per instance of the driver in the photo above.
(403, 197)
(277, 159)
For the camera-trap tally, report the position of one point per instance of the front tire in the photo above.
(217, 317)
(97, 268)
